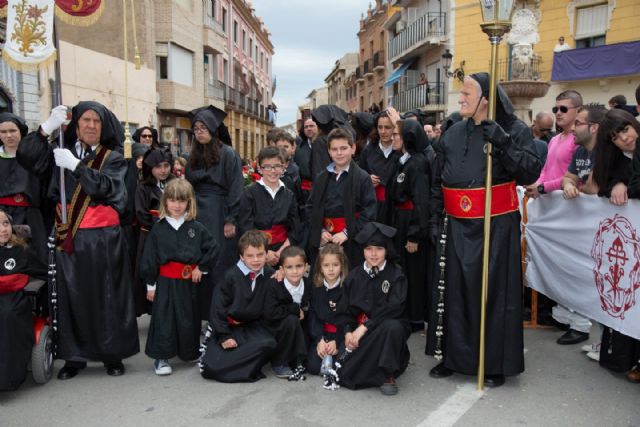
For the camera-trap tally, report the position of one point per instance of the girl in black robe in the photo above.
(238, 342)
(328, 307)
(17, 264)
(215, 171)
(376, 325)
(276, 215)
(379, 160)
(409, 198)
(177, 253)
(156, 173)
(96, 313)
(20, 191)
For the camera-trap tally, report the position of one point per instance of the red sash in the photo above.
(330, 328)
(306, 185)
(336, 225)
(276, 234)
(15, 200)
(177, 270)
(405, 206)
(13, 282)
(469, 202)
(381, 193)
(362, 318)
(154, 213)
(233, 322)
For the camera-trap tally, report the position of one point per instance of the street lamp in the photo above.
(458, 73)
(496, 21)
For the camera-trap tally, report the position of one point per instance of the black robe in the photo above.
(218, 192)
(147, 198)
(461, 164)
(373, 161)
(16, 323)
(319, 156)
(235, 302)
(283, 320)
(15, 179)
(260, 211)
(410, 184)
(96, 314)
(328, 306)
(356, 203)
(383, 350)
(175, 322)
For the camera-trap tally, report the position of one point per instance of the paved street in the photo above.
(560, 387)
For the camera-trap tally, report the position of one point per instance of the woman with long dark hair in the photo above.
(615, 145)
(215, 171)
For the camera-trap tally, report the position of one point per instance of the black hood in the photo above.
(111, 134)
(213, 118)
(413, 137)
(10, 117)
(329, 117)
(504, 107)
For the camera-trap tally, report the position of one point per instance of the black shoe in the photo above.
(115, 369)
(67, 372)
(493, 380)
(389, 388)
(572, 337)
(440, 371)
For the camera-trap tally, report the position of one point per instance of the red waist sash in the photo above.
(381, 193)
(306, 185)
(176, 270)
(469, 202)
(276, 234)
(233, 322)
(154, 213)
(362, 318)
(15, 200)
(330, 328)
(98, 216)
(13, 282)
(336, 225)
(405, 206)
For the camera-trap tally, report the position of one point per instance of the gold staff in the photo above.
(127, 134)
(496, 21)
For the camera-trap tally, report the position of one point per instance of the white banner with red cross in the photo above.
(584, 253)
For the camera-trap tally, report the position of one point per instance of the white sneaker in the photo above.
(162, 367)
(594, 346)
(594, 355)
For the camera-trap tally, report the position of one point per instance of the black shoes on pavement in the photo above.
(572, 337)
(71, 369)
(440, 371)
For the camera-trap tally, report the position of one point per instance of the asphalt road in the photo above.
(560, 386)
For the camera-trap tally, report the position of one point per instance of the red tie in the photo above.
(252, 276)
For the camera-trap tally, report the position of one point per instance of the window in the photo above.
(162, 54)
(266, 68)
(250, 46)
(256, 54)
(225, 71)
(214, 9)
(224, 20)
(244, 40)
(591, 25)
(235, 31)
(261, 59)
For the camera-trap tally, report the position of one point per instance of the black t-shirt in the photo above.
(582, 163)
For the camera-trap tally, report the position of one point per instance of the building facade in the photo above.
(337, 78)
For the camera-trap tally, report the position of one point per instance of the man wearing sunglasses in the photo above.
(561, 146)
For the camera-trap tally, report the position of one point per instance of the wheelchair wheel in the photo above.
(42, 357)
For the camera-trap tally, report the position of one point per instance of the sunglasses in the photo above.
(145, 135)
(562, 108)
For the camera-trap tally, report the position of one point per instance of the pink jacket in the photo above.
(561, 149)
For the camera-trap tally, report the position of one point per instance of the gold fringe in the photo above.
(81, 21)
(25, 67)
(4, 11)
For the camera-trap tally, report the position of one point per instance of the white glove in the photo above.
(65, 159)
(56, 119)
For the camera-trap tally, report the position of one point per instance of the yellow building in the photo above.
(602, 60)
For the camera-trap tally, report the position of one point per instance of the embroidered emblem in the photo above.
(18, 198)
(328, 225)
(401, 177)
(332, 305)
(386, 286)
(10, 264)
(465, 203)
(191, 233)
(186, 271)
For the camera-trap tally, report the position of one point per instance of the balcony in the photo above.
(236, 101)
(359, 78)
(214, 94)
(378, 61)
(600, 62)
(367, 68)
(213, 38)
(429, 29)
(419, 97)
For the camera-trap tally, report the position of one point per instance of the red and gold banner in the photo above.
(79, 12)
(3, 8)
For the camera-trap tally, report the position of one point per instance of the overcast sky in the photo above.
(308, 37)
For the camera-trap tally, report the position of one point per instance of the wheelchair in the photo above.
(41, 363)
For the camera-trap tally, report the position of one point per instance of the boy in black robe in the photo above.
(238, 343)
(342, 200)
(267, 205)
(96, 314)
(376, 325)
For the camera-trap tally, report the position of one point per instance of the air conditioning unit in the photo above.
(400, 26)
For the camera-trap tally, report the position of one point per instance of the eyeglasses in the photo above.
(146, 135)
(562, 108)
(200, 130)
(272, 167)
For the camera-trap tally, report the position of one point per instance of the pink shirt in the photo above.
(561, 149)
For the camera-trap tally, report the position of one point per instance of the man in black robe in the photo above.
(95, 307)
(459, 186)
